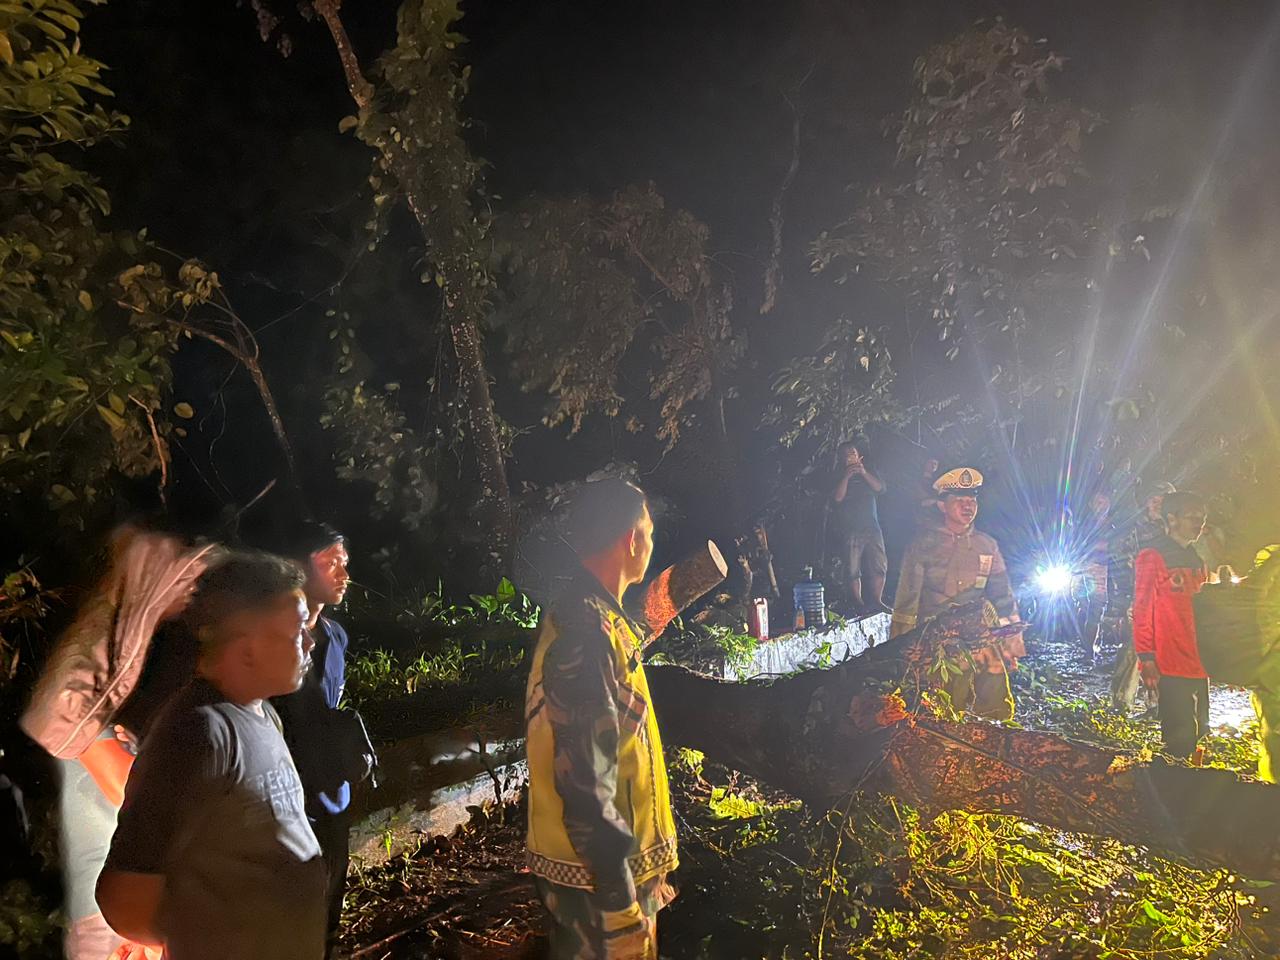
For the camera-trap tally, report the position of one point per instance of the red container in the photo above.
(758, 619)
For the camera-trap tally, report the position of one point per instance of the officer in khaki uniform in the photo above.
(951, 559)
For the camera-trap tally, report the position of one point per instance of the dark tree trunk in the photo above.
(824, 733)
(463, 310)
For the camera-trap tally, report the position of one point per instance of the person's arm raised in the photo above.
(874, 482)
(841, 489)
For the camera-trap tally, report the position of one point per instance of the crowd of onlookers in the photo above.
(1140, 574)
(193, 708)
(226, 833)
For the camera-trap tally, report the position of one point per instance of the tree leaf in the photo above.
(86, 301)
(113, 419)
(347, 123)
(184, 410)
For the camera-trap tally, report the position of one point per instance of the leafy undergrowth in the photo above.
(873, 879)
(427, 663)
(430, 663)
(762, 876)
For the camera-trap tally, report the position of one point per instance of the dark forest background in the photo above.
(711, 240)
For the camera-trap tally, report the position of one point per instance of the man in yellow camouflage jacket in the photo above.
(952, 560)
(601, 835)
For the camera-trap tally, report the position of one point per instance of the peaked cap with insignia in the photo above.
(959, 480)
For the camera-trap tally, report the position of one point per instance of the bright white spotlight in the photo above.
(1055, 578)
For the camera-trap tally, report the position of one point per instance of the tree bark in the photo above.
(464, 330)
(824, 733)
(252, 367)
(777, 214)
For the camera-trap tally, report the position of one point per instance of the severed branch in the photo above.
(249, 360)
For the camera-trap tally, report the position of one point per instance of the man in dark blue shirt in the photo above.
(309, 715)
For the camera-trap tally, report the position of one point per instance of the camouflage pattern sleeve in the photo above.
(580, 683)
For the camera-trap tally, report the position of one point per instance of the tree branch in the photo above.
(361, 89)
(822, 733)
(254, 369)
(161, 454)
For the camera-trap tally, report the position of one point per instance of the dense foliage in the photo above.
(588, 279)
(874, 878)
(83, 374)
(836, 393)
(981, 230)
(89, 318)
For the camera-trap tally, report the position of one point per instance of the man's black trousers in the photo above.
(334, 833)
(1184, 713)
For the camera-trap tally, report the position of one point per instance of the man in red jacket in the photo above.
(1167, 574)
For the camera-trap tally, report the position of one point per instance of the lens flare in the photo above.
(1055, 578)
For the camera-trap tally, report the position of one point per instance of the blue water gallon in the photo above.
(810, 602)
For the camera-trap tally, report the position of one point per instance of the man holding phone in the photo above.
(853, 502)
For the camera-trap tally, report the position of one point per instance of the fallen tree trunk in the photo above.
(824, 733)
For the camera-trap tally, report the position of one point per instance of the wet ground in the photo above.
(1061, 666)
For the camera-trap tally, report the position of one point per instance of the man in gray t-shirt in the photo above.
(213, 856)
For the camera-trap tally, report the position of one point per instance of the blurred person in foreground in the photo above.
(942, 566)
(1266, 694)
(1167, 574)
(122, 657)
(213, 856)
(325, 741)
(601, 834)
